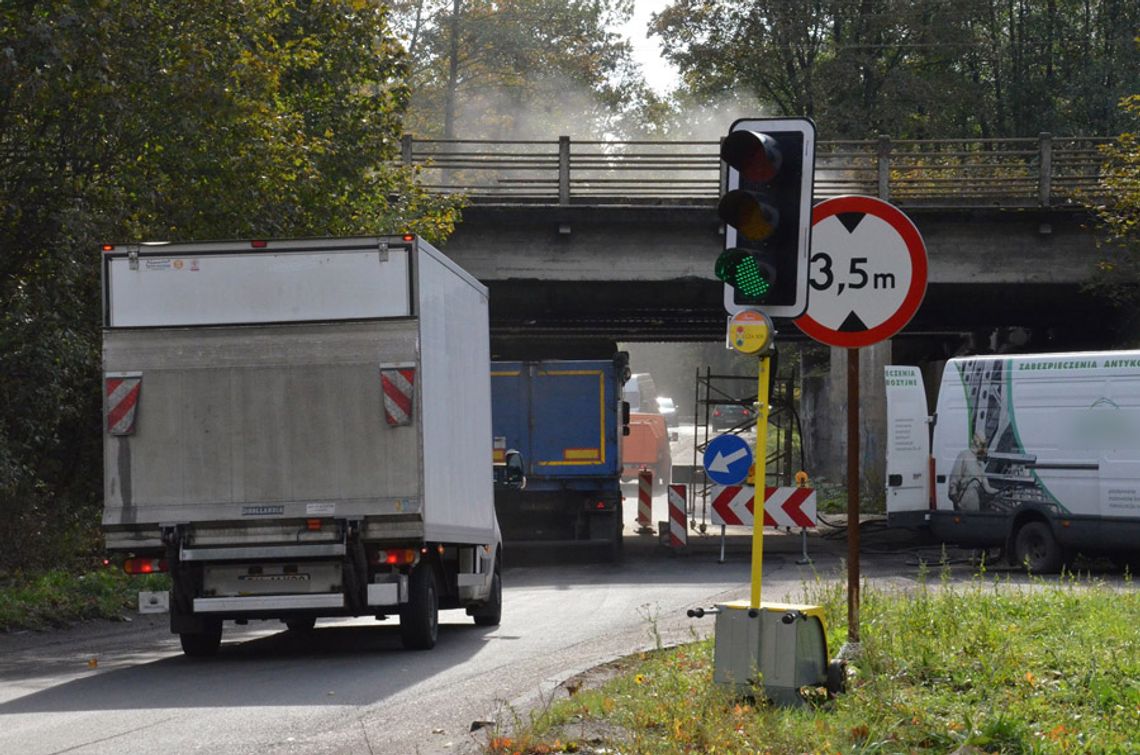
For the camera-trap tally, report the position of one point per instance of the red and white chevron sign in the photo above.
(122, 392)
(399, 384)
(783, 507)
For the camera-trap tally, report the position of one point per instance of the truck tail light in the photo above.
(145, 565)
(395, 557)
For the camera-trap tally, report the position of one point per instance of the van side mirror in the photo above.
(625, 418)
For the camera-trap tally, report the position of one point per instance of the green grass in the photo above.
(1052, 667)
(60, 598)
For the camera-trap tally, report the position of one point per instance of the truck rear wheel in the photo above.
(491, 613)
(202, 644)
(1036, 549)
(419, 617)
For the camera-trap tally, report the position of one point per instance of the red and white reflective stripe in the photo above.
(122, 392)
(790, 507)
(645, 498)
(678, 531)
(783, 507)
(399, 385)
(732, 504)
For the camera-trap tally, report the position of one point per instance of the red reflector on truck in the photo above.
(259, 244)
(395, 557)
(144, 565)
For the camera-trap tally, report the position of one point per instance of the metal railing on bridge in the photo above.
(1045, 171)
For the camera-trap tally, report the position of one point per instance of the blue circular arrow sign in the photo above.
(727, 459)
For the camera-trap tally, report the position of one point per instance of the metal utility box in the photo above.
(777, 647)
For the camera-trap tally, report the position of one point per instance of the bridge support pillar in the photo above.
(823, 410)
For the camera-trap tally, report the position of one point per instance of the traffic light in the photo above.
(766, 209)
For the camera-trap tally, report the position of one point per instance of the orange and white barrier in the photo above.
(645, 501)
(678, 531)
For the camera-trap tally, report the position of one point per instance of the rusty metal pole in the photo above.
(853, 497)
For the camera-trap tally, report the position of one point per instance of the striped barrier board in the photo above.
(645, 501)
(783, 507)
(678, 531)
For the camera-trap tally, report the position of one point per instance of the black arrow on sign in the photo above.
(852, 324)
(850, 219)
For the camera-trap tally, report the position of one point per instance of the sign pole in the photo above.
(760, 477)
(853, 497)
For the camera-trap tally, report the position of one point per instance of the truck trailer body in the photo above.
(565, 418)
(299, 429)
(1038, 454)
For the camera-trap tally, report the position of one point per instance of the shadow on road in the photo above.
(339, 665)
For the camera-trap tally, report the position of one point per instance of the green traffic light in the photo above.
(740, 269)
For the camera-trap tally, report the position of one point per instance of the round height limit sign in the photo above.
(867, 275)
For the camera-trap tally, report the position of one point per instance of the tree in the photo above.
(1118, 274)
(153, 120)
(931, 68)
(518, 69)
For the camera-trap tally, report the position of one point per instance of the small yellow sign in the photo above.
(749, 332)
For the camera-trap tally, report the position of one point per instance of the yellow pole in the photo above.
(760, 477)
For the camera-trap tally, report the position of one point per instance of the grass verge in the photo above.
(1050, 667)
(60, 598)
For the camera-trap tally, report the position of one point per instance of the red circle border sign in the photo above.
(915, 292)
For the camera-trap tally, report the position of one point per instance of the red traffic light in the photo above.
(755, 155)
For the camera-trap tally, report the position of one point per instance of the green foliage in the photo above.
(520, 69)
(985, 68)
(58, 598)
(1118, 273)
(155, 120)
(1044, 668)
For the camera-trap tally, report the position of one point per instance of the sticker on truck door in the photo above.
(122, 391)
(399, 385)
(908, 441)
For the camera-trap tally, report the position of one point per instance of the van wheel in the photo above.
(1036, 549)
(491, 613)
(419, 617)
(202, 644)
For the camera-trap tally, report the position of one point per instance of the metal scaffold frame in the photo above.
(783, 420)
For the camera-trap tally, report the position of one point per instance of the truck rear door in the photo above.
(908, 447)
(560, 415)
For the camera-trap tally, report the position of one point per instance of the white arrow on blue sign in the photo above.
(727, 459)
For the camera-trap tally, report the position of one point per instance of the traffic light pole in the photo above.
(760, 477)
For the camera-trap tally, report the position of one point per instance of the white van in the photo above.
(1038, 454)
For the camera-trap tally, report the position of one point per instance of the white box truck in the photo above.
(300, 429)
(1036, 454)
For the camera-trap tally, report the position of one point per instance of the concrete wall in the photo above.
(823, 409)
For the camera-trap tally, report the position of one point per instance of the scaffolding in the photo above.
(785, 455)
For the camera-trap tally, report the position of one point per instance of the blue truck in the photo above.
(564, 418)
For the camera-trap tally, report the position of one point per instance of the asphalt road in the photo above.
(113, 687)
(349, 686)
